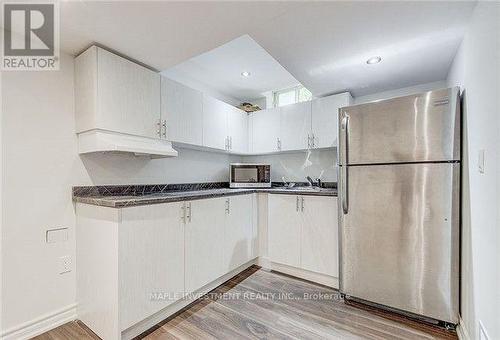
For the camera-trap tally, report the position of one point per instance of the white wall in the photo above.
(298, 165)
(191, 166)
(405, 91)
(476, 69)
(41, 165)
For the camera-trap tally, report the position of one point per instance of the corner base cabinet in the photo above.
(136, 262)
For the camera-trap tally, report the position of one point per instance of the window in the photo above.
(291, 96)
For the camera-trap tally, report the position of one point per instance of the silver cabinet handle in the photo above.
(313, 138)
(302, 205)
(278, 143)
(158, 128)
(226, 144)
(189, 216)
(183, 212)
(230, 142)
(227, 206)
(297, 204)
(164, 126)
(308, 141)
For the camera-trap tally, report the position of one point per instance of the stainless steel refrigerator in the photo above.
(399, 197)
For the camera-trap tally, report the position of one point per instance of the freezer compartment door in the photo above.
(417, 128)
(400, 237)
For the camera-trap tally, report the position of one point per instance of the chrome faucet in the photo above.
(312, 183)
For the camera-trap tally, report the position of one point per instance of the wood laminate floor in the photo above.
(258, 304)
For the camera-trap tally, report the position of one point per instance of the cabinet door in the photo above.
(181, 107)
(238, 231)
(284, 224)
(214, 123)
(237, 123)
(319, 235)
(265, 130)
(204, 242)
(295, 126)
(128, 96)
(151, 261)
(325, 119)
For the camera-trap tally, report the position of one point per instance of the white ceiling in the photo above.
(324, 45)
(221, 69)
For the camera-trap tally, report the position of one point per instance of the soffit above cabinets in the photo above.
(221, 70)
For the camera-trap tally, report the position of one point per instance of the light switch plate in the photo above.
(481, 161)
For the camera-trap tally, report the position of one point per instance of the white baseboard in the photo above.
(462, 332)
(40, 325)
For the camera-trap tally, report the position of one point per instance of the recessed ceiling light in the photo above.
(245, 74)
(374, 60)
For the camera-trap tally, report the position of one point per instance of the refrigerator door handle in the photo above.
(344, 129)
(343, 187)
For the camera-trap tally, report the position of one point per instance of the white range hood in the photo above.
(108, 141)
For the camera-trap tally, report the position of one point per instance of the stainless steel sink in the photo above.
(314, 189)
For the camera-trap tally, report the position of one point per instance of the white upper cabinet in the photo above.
(237, 124)
(215, 123)
(225, 127)
(117, 106)
(295, 126)
(265, 131)
(116, 94)
(181, 112)
(325, 119)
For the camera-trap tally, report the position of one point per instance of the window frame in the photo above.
(295, 89)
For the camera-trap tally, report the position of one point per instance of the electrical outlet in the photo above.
(64, 264)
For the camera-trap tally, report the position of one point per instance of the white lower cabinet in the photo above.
(238, 231)
(302, 232)
(136, 263)
(284, 223)
(204, 241)
(151, 260)
(319, 235)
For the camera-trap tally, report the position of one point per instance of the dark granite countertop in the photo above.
(119, 196)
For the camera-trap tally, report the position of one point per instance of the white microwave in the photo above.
(245, 175)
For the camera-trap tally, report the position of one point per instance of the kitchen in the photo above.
(148, 185)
